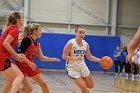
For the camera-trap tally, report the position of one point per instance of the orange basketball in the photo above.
(106, 62)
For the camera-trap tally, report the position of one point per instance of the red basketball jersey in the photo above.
(13, 31)
(30, 52)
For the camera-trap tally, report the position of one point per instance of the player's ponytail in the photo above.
(12, 19)
(26, 31)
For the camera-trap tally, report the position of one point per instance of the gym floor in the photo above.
(59, 82)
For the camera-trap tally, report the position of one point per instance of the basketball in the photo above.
(106, 62)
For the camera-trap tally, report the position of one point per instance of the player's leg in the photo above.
(27, 87)
(116, 68)
(41, 82)
(80, 83)
(87, 78)
(16, 74)
(89, 81)
(76, 76)
(8, 84)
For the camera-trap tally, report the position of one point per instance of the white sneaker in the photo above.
(133, 76)
(116, 74)
(126, 74)
(139, 76)
(120, 74)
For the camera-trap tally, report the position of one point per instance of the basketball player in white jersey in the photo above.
(133, 45)
(74, 52)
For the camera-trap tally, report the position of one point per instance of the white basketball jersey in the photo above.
(78, 50)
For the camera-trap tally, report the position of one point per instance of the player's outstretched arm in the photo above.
(45, 58)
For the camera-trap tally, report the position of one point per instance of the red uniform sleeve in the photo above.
(13, 32)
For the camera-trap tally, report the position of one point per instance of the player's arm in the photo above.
(66, 52)
(45, 58)
(91, 57)
(133, 44)
(8, 47)
(12, 34)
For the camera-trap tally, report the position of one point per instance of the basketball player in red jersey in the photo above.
(8, 41)
(30, 47)
(74, 52)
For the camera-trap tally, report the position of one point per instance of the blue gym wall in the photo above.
(52, 46)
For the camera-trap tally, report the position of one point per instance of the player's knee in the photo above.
(9, 83)
(7, 87)
(90, 86)
(43, 84)
(20, 77)
(28, 89)
(4, 92)
(85, 90)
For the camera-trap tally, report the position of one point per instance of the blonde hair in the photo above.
(26, 30)
(29, 29)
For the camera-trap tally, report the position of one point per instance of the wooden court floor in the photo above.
(59, 82)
